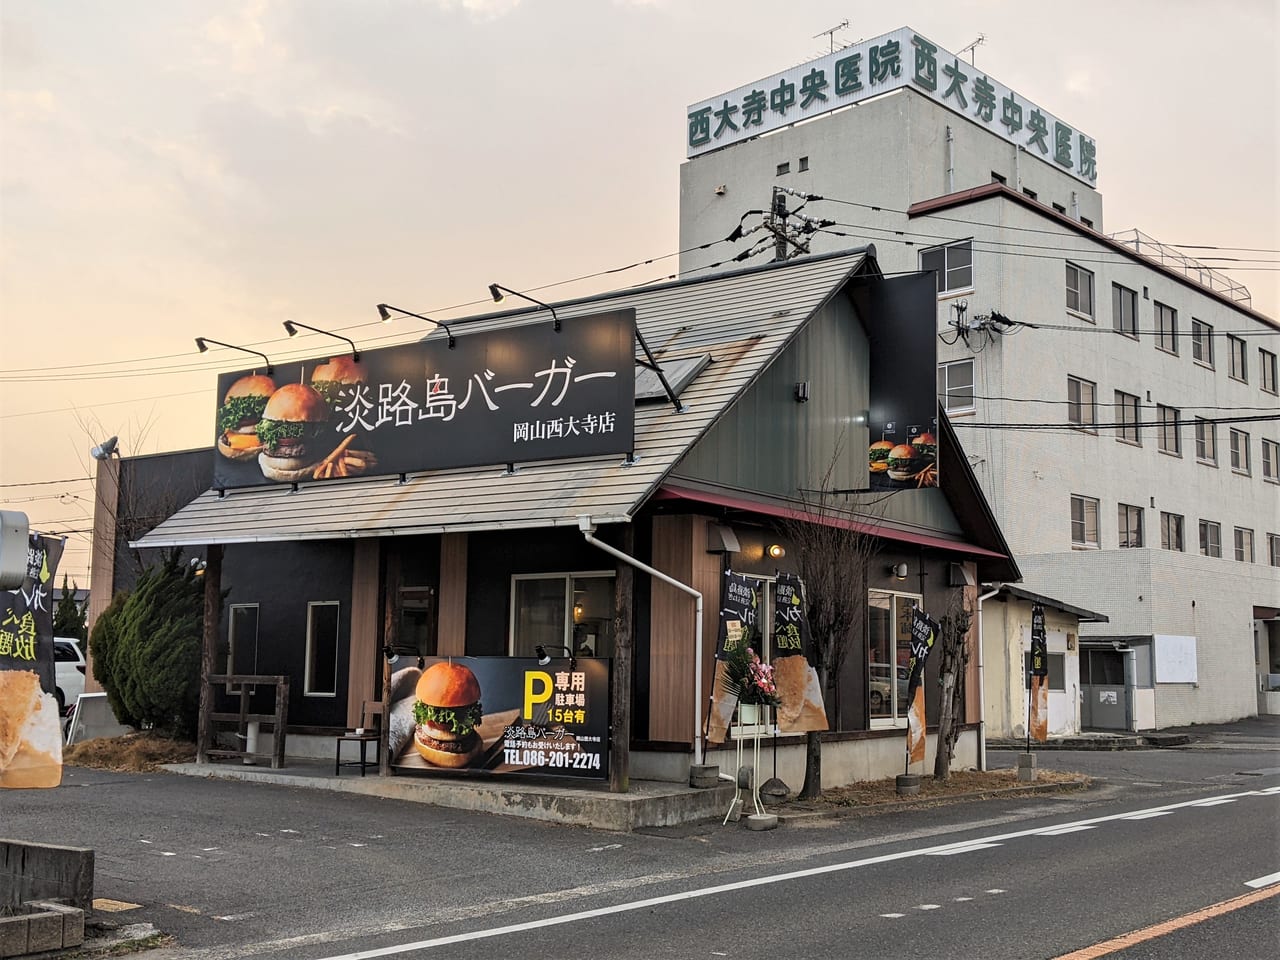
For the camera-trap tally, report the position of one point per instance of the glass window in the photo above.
(1171, 532)
(889, 650)
(1130, 525)
(1244, 545)
(1201, 342)
(1084, 521)
(1166, 328)
(1080, 290)
(1124, 310)
(1210, 538)
(1129, 418)
(1057, 671)
(952, 263)
(1169, 438)
(1273, 549)
(1267, 370)
(1237, 353)
(242, 641)
(1239, 451)
(1270, 460)
(1082, 408)
(1206, 441)
(955, 386)
(567, 614)
(322, 649)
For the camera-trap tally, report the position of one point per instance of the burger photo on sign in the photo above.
(878, 456)
(446, 713)
(293, 432)
(903, 463)
(341, 375)
(239, 415)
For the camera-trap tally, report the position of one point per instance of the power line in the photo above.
(42, 483)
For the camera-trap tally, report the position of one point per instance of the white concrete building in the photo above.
(1118, 401)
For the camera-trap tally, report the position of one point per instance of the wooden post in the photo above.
(620, 708)
(209, 647)
(390, 637)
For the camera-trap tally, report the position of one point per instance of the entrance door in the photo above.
(1105, 689)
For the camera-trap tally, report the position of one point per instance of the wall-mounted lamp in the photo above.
(389, 652)
(802, 391)
(105, 449)
(202, 344)
(291, 328)
(384, 311)
(898, 571)
(496, 290)
(776, 550)
(578, 611)
(198, 566)
(544, 658)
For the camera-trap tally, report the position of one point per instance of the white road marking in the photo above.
(1215, 802)
(144, 841)
(966, 849)
(607, 846)
(718, 889)
(288, 831)
(208, 849)
(1148, 816)
(963, 899)
(235, 916)
(166, 853)
(1266, 881)
(1073, 828)
(893, 916)
(929, 906)
(357, 844)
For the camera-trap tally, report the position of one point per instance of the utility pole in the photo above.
(778, 224)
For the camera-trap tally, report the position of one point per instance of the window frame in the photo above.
(1237, 358)
(1118, 298)
(1172, 524)
(1126, 426)
(1083, 278)
(898, 715)
(1166, 339)
(1125, 513)
(1239, 444)
(1087, 505)
(1206, 442)
(568, 577)
(1241, 537)
(1202, 342)
(1076, 412)
(1273, 549)
(945, 388)
(1164, 425)
(1210, 539)
(308, 678)
(1268, 367)
(1270, 460)
(231, 639)
(944, 275)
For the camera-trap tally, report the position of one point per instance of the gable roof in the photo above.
(743, 319)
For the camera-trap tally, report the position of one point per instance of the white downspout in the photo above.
(982, 693)
(951, 162)
(588, 530)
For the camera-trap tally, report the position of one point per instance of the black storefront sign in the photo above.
(739, 605)
(513, 395)
(1039, 642)
(924, 631)
(790, 626)
(26, 614)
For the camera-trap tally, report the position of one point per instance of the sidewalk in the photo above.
(1261, 730)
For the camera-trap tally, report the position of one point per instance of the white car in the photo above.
(69, 669)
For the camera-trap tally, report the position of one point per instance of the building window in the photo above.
(1273, 549)
(1271, 461)
(889, 649)
(1237, 351)
(1267, 370)
(1244, 545)
(1124, 310)
(804, 164)
(955, 386)
(1057, 670)
(1130, 520)
(1206, 441)
(1087, 222)
(1031, 193)
(1082, 407)
(998, 177)
(1166, 328)
(1060, 208)
(1129, 418)
(562, 611)
(1171, 532)
(1080, 290)
(784, 168)
(242, 641)
(952, 263)
(1210, 539)
(1239, 451)
(1201, 342)
(1084, 522)
(321, 679)
(1168, 423)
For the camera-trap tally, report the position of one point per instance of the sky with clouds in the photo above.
(214, 167)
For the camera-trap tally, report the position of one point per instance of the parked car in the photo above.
(881, 695)
(69, 668)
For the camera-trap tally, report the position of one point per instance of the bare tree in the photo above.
(830, 535)
(953, 665)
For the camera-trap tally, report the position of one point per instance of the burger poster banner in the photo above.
(1038, 720)
(498, 396)
(924, 631)
(800, 704)
(30, 724)
(900, 314)
(501, 715)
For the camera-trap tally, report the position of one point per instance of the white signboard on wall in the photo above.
(903, 58)
(1175, 659)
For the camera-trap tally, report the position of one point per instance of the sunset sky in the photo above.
(213, 167)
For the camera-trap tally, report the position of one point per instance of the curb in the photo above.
(896, 806)
(1145, 741)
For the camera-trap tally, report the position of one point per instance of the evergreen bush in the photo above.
(104, 647)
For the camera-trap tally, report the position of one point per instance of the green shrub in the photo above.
(104, 647)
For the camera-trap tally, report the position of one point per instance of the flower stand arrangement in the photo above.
(752, 679)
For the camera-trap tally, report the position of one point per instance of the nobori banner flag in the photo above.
(739, 604)
(790, 626)
(1039, 643)
(924, 631)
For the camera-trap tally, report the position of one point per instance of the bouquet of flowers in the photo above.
(750, 676)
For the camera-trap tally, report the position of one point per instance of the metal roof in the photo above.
(1085, 616)
(743, 319)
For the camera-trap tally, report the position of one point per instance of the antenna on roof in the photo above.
(831, 34)
(971, 49)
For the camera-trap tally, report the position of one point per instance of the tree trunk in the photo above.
(946, 717)
(812, 788)
(623, 703)
(209, 648)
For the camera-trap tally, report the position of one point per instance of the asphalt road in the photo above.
(245, 870)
